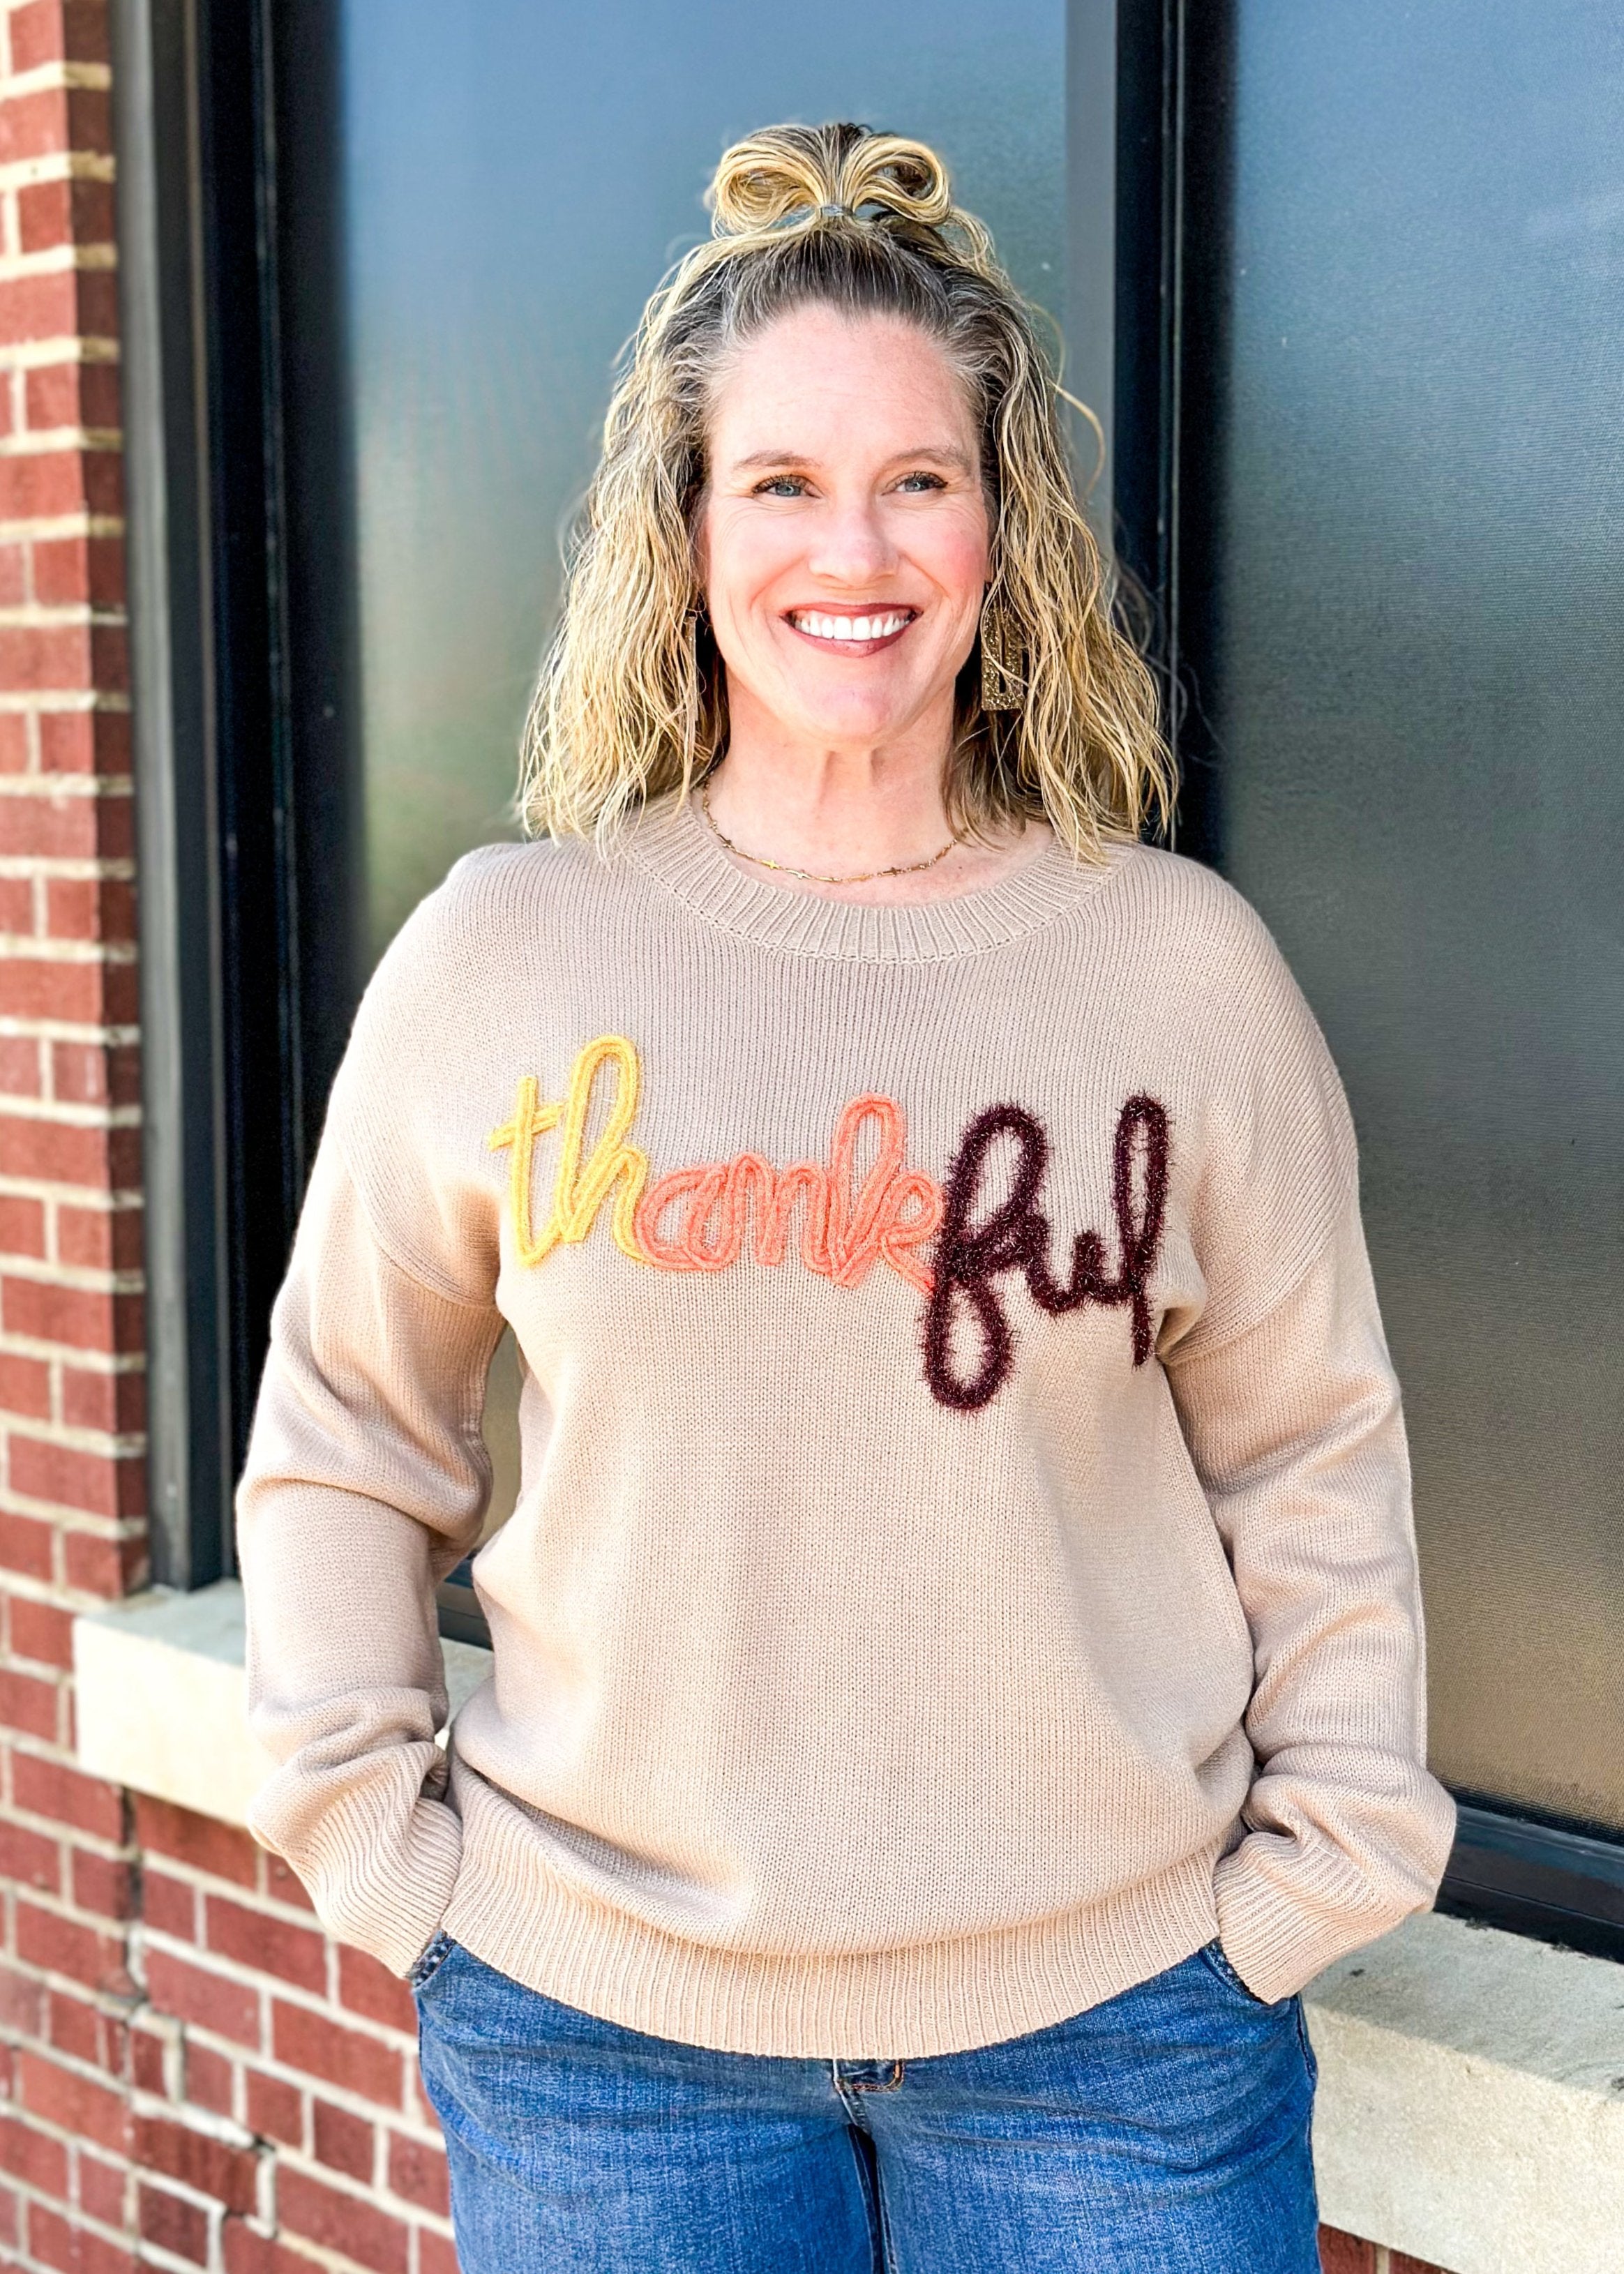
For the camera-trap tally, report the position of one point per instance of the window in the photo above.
(1344, 283)
(1368, 402)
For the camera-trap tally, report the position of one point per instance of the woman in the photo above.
(957, 1662)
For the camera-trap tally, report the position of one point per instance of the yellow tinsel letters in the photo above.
(849, 1223)
(579, 1189)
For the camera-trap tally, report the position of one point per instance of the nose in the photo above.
(850, 547)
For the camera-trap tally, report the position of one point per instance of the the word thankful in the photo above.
(700, 1218)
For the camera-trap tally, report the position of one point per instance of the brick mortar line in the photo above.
(74, 2063)
(114, 867)
(23, 529)
(62, 616)
(54, 441)
(407, 2130)
(208, 2123)
(258, 1978)
(105, 1444)
(357, 2188)
(76, 2216)
(365, 2190)
(183, 2192)
(17, 1661)
(320, 2260)
(57, 1116)
(52, 1187)
(73, 1600)
(57, 166)
(60, 75)
(60, 347)
(112, 2002)
(62, 949)
(105, 1851)
(63, 701)
(73, 2214)
(42, 947)
(41, 1670)
(44, 1269)
(154, 2253)
(28, 947)
(18, 1345)
(66, 702)
(112, 1036)
(280, 1913)
(84, 1521)
(63, 789)
(67, 255)
(92, 1361)
(66, 1112)
(88, 1278)
(246, 2141)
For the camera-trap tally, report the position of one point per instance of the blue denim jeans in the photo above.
(1165, 2132)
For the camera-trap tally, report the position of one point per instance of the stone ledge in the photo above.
(1471, 2083)
(1471, 2100)
(161, 1700)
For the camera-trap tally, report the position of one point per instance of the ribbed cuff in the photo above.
(1275, 1934)
(380, 1876)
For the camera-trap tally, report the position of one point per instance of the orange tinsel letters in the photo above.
(843, 1231)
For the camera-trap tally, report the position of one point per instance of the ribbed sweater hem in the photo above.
(511, 1909)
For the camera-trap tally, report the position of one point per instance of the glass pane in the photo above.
(516, 178)
(1414, 678)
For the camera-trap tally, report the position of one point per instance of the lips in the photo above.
(849, 633)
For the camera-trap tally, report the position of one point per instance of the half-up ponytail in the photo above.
(817, 175)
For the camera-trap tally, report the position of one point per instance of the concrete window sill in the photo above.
(1471, 2085)
(160, 1701)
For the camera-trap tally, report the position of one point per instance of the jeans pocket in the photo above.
(429, 1965)
(1218, 1960)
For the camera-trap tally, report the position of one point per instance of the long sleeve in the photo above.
(367, 1482)
(1296, 1431)
(367, 1477)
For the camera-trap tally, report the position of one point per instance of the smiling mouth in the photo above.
(864, 634)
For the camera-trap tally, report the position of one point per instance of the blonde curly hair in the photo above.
(631, 699)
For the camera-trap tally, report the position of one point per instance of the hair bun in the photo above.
(786, 171)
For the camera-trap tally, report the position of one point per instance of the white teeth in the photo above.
(849, 628)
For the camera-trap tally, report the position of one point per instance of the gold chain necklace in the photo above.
(811, 875)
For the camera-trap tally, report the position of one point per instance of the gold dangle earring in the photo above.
(1003, 681)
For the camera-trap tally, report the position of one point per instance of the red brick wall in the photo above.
(191, 2074)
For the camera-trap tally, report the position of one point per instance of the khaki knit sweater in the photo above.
(964, 1559)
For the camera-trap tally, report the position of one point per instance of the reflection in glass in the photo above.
(517, 176)
(1414, 682)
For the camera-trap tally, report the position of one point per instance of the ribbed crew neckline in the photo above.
(670, 843)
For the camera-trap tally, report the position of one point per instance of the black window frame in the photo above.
(243, 606)
(243, 669)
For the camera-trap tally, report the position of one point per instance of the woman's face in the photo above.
(843, 539)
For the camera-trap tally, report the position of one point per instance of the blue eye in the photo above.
(781, 486)
(921, 481)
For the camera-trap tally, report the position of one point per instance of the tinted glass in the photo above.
(516, 176)
(1412, 676)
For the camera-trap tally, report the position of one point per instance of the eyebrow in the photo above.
(946, 453)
